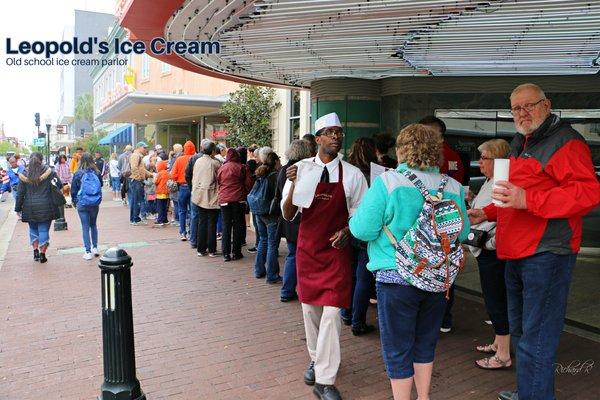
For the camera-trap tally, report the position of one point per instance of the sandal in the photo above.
(487, 349)
(486, 363)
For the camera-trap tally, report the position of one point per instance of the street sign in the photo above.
(40, 142)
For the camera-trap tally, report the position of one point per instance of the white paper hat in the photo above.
(327, 121)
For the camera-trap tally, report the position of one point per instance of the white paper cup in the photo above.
(501, 170)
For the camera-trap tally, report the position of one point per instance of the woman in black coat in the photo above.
(34, 203)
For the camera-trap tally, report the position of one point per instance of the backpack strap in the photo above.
(417, 183)
(443, 182)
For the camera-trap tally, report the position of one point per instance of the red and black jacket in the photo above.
(554, 166)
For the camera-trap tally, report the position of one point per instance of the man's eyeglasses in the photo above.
(333, 133)
(527, 107)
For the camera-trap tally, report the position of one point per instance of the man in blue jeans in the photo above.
(551, 186)
(138, 173)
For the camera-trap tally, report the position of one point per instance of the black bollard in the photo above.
(60, 224)
(120, 382)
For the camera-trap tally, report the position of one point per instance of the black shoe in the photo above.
(201, 253)
(237, 257)
(259, 276)
(193, 246)
(285, 299)
(43, 258)
(226, 258)
(276, 281)
(347, 321)
(508, 395)
(362, 329)
(252, 250)
(326, 392)
(36, 255)
(309, 374)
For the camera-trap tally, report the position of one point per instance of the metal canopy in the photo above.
(294, 42)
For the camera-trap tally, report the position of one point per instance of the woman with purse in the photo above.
(482, 243)
(38, 184)
(409, 317)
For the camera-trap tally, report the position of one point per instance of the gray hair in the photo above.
(528, 86)
(177, 148)
(263, 152)
(299, 150)
(207, 146)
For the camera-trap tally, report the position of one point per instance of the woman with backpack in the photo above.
(87, 196)
(410, 293)
(36, 186)
(267, 213)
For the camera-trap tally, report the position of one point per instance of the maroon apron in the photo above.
(324, 273)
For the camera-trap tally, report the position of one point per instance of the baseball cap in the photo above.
(141, 144)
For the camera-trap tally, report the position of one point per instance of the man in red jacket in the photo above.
(551, 186)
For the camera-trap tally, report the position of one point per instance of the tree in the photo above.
(249, 110)
(90, 143)
(84, 108)
(6, 147)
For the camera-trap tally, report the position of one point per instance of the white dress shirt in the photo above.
(355, 184)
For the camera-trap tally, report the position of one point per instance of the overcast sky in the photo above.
(27, 90)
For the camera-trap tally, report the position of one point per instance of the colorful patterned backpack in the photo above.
(429, 256)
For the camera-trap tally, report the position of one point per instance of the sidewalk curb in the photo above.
(8, 222)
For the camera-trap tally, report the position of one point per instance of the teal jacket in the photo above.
(394, 201)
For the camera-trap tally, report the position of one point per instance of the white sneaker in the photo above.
(88, 256)
(95, 251)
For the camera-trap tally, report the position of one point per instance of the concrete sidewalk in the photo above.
(205, 329)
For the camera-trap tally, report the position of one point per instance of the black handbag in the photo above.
(476, 238)
(58, 199)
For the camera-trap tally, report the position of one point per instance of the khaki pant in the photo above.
(323, 326)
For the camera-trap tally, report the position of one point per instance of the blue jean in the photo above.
(136, 197)
(220, 223)
(39, 232)
(115, 183)
(537, 289)
(289, 272)
(184, 203)
(14, 193)
(88, 216)
(409, 324)
(266, 261)
(194, 213)
(363, 286)
(256, 230)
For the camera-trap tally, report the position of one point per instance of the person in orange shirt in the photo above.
(74, 164)
(178, 175)
(162, 192)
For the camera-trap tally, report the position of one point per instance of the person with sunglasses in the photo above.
(551, 186)
(323, 254)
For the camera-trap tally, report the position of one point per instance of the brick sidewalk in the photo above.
(205, 329)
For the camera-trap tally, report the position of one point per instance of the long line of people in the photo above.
(398, 237)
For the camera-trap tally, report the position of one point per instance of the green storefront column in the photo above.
(356, 101)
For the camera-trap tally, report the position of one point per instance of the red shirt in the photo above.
(452, 164)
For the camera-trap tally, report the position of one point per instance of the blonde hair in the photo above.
(498, 148)
(419, 146)
(113, 156)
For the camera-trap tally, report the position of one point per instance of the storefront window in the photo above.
(294, 115)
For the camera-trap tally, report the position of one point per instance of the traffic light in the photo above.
(37, 119)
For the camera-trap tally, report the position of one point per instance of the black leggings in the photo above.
(233, 221)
